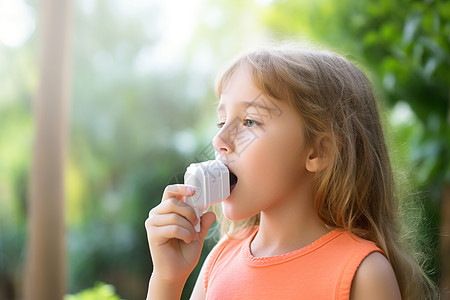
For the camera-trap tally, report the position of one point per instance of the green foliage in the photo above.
(406, 43)
(100, 291)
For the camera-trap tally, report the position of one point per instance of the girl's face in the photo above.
(261, 141)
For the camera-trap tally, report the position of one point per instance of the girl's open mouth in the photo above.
(233, 181)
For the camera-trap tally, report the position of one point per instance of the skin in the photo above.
(275, 167)
(375, 279)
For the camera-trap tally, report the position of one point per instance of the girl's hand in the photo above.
(175, 246)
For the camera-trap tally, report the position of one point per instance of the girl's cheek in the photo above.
(247, 141)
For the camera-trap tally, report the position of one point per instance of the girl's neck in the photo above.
(287, 228)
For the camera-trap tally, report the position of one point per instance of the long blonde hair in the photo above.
(336, 103)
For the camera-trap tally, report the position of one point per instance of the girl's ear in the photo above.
(319, 156)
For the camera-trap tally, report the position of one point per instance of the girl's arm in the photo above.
(161, 289)
(375, 279)
(175, 246)
(199, 289)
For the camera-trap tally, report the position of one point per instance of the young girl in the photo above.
(313, 213)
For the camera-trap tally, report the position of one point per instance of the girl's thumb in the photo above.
(205, 222)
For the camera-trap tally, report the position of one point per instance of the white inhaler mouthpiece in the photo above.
(211, 181)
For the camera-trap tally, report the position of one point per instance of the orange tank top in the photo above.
(321, 270)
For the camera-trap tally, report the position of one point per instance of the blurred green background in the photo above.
(143, 108)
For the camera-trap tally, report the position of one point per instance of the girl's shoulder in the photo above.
(375, 279)
(368, 273)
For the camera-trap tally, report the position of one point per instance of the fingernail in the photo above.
(189, 190)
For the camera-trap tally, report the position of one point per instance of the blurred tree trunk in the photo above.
(45, 271)
(445, 243)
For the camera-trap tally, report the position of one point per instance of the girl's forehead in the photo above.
(240, 93)
(236, 77)
(238, 90)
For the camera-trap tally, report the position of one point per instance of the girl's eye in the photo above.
(251, 123)
(220, 124)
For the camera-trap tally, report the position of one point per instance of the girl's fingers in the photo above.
(165, 233)
(173, 205)
(177, 191)
(173, 219)
(206, 221)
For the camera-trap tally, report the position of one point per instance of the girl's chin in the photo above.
(233, 213)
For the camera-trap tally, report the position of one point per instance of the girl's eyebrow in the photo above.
(247, 104)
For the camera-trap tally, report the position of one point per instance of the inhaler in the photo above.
(211, 181)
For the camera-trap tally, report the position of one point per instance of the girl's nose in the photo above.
(222, 142)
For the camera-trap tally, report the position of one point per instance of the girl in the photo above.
(313, 213)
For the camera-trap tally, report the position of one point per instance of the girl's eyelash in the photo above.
(246, 122)
(251, 123)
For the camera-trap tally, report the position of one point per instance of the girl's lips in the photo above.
(232, 187)
(233, 180)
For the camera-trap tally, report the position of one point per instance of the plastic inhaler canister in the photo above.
(211, 181)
